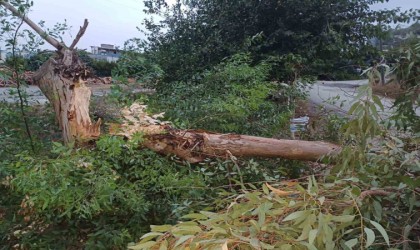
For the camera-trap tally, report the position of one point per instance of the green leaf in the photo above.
(343, 218)
(217, 230)
(209, 214)
(265, 189)
(163, 245)
(353, 108)
(146, 245)
(312, 235)
(370, 236)
(195, 216)
(295, 215)
(351, 243)
(162, 229)
(309, 246)
(149, 236)
(356, 191)
(255, 243)
(378, 102)
(183, 239)
(381, 230)
(187, 229)
(286, 247)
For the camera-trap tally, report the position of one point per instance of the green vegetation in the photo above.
(367, 199)
(212, 72)
(232, 97)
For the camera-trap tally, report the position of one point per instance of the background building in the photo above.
(105, 52)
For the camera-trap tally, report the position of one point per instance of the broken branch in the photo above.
(79, 34)
(33, 25)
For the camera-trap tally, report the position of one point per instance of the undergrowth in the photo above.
(105, 194)
(233, 97)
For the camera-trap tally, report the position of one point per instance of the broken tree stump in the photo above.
(61, 81)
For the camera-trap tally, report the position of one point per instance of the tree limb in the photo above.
(34, 26)
(79, 35)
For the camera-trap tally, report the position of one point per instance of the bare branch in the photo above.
(378, 192)
(33, 25)
(79, 35)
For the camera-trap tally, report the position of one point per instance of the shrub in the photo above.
(18, 62)
(137, 65)
(232, 97)
(35, 61)
(112, 193)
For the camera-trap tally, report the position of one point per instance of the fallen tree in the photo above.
(61, 80)
(197, 145)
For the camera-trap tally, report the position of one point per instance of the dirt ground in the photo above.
(390, 90)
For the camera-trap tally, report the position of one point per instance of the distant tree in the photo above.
(35, 61)
(197, 34)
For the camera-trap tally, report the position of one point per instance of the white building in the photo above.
(105, 52)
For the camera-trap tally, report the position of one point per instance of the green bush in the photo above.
(102, 68)
(18, 62)
(408, 74)
(137, 65)
(113, 187)
(35, 61)
(233, 97)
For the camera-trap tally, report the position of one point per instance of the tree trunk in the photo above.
(197, 145)
(60, 79)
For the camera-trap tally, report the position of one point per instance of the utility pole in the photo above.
(381, 68)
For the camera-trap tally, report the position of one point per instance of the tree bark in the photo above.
(196, 145)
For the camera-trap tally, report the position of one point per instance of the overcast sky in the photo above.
(115, 21)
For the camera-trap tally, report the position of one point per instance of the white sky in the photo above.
(115, 21)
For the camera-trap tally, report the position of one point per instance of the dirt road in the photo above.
(35, 96)
(320, 93)
(339, 96)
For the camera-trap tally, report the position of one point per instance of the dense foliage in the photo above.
(195, 35)
(102, 196)
(408, 75)
(232, 97)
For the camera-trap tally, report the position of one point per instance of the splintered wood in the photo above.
(60, 79)
(197, 145)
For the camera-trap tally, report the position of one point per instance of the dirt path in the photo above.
(339, 96)
(35, 96)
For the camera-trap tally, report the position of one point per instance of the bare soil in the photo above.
(390, 90)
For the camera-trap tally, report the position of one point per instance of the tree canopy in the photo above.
(196, 34)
